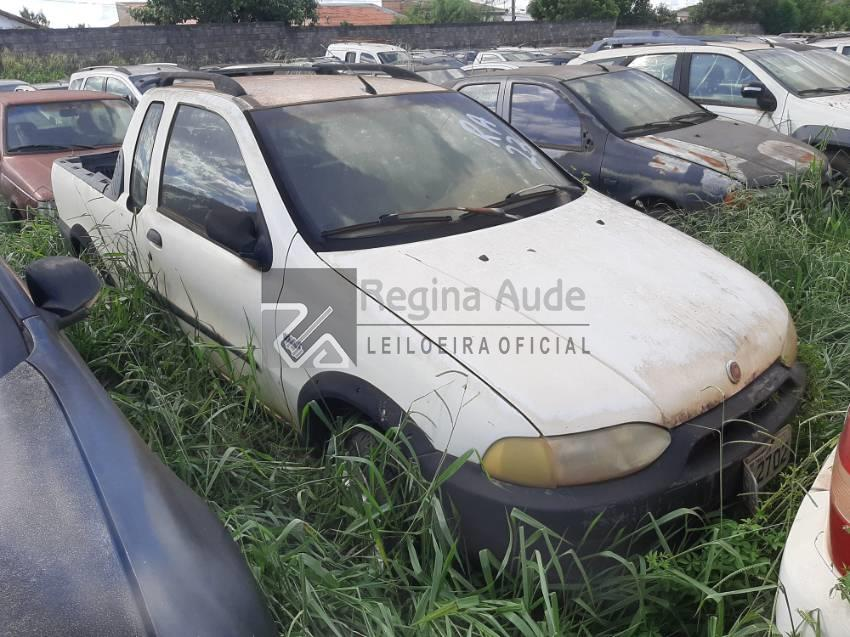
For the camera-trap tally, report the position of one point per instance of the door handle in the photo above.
(154, 237)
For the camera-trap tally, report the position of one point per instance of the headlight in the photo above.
(789, 347)
(582, 458)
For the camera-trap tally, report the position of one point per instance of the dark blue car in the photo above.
(97, 536)
(634, 138)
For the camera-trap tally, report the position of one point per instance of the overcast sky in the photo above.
(101, 13)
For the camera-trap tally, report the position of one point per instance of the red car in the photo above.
(37, 127)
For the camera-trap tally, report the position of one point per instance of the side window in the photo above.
(117, 87)
(660, 65)
(544, 116)
(95, 83)
(367, 58)
(845, 50)
(718, 79)
(485, 94)
(490, 57)
(349, 57)
(203, 169)
(140, 173)
(76, 85)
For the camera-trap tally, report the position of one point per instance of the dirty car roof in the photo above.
(562, 72)
(43, 97)
(285, 90)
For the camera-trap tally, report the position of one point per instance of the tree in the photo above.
(779, 16)
(725, 11)
(445, 12)
(643, 13)
(38, 18)
(177, 11)
(560, 10)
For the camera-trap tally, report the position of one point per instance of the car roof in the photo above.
(43, 97)
(557, 73)
(737, 45)
(372, 46)
(285, 90)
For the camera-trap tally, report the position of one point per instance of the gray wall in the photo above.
(257, 41)
(249, 42)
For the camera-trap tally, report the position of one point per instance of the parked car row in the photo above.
(254, 194)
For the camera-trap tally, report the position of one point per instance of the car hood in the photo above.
(664, 314)
(753, 155)
(32, 172)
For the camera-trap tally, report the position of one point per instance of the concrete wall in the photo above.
(198, 44)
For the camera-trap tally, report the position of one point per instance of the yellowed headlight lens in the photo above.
(789, 347)
(582, 458)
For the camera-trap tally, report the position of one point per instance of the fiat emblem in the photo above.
(733, 371)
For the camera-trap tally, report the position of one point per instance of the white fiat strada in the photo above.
(378, 244)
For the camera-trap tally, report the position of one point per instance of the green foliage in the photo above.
(725, 11)
(446, 11)
(176, 11)
(779, 16)
(561, 10)
(38, 18)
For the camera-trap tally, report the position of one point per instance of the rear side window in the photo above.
(95, 83)
(718, 79)
(204, 169)
(140, 173)
(76, 85)
(661, 65)
(349, 57)
(117, 87)
(485, 94)
(544, 116)
(366, 58)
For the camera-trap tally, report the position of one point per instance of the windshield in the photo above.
(800, 73)
(60, 126)
(518, 56)
(393, 57)
(634, 103)
(438, 76)
(831, 61)
(351, 161)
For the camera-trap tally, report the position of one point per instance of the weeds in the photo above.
(341, 546)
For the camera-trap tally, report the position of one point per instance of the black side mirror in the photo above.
(237, 231)
(64, 287)
(757, 91)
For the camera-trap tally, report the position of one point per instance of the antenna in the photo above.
(369, 88)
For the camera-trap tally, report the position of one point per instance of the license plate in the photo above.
(764, 464)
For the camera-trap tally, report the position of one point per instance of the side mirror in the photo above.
(62, 286)
(757, 91)
(238, 231)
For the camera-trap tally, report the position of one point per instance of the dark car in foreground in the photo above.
(98, 536)
(635, 138)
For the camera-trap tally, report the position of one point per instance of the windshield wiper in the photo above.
(824, 89)
(427, 215)
(52, 147)
(532, 192)
(673, 121)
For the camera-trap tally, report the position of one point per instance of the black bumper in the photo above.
(687, 475)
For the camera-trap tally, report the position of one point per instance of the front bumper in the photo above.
(696, 471)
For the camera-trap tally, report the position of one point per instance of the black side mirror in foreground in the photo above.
(63, 286)
(757, 91)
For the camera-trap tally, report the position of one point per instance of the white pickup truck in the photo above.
(380, 245)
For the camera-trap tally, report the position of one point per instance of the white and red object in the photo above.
(817, 553)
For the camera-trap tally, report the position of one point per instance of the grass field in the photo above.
(337, 551)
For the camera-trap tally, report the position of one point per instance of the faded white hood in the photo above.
(664, 313)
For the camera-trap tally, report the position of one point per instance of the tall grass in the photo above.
(338, 549)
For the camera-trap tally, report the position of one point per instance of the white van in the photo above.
(368, 53)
